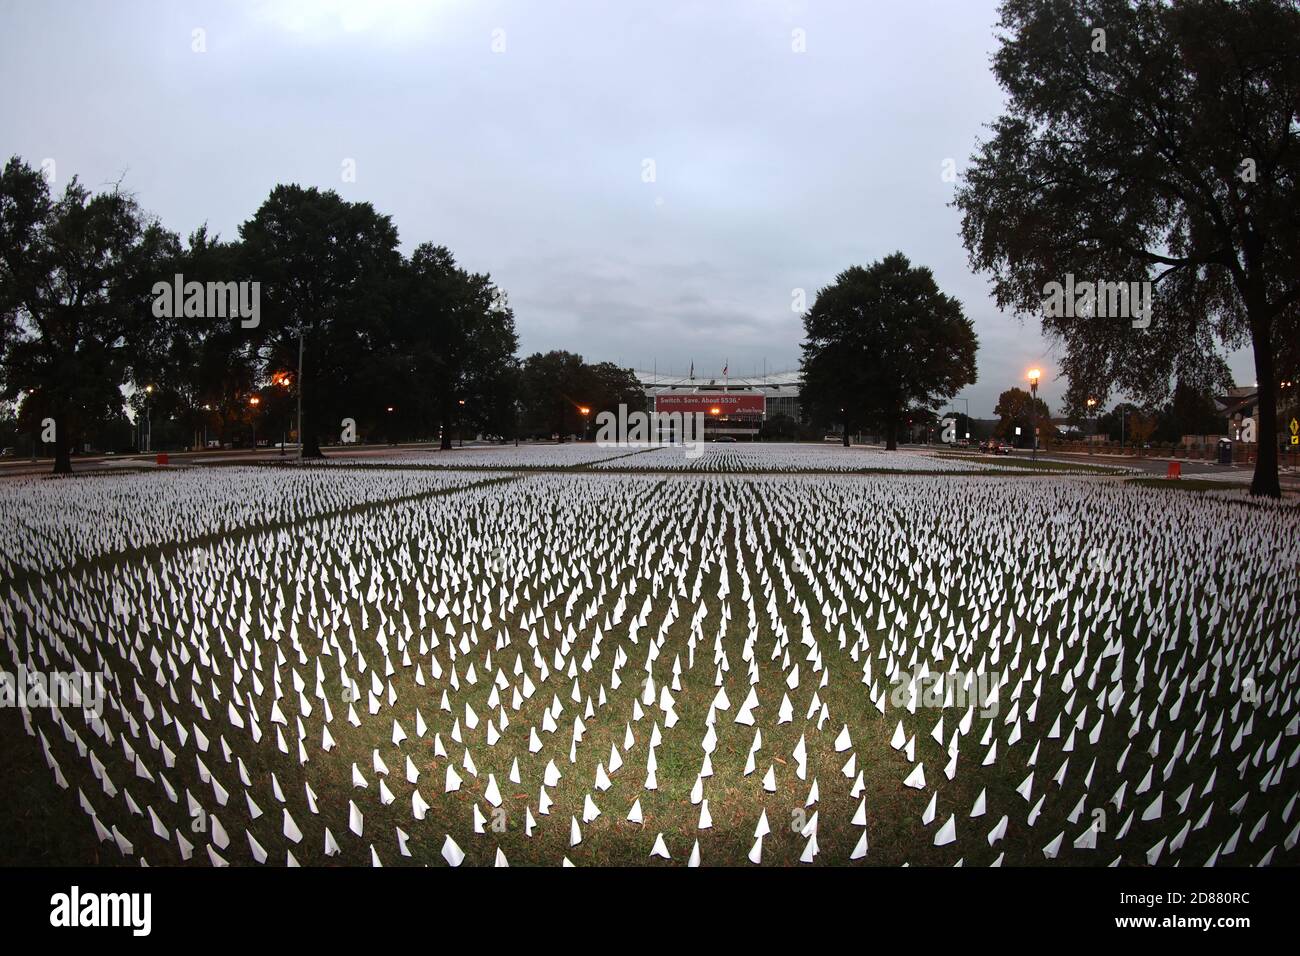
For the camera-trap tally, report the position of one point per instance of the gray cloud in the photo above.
(774, 170)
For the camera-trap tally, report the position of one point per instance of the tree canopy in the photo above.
(399, 347)
(1145, 141)
(75, 278)
(883, 340)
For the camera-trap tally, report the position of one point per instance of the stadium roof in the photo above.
(776, 383)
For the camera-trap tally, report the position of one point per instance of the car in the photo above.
(7, 453)
(726, 438)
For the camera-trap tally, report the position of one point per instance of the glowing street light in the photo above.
(1034, 375)
(254, 401)
(1092, 403)
(148, 420)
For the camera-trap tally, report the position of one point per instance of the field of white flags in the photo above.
(377, 667)
(703, 457)
(741, 458)
(541, 455)
(50, 524)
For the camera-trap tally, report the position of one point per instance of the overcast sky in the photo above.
(522, 134)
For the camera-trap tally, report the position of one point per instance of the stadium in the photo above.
(734, 408)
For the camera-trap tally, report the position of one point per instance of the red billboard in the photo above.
(720, 404)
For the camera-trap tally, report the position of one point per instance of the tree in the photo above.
(202, 368)
(606, 387)
(880, 340)
(549, 383)
(1142, 424)
(1148, 142)
(454, 341)
(1015, 410)
(75, 290)
(328, 270)
(1190, 412)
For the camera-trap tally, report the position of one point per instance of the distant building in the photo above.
(735, 406)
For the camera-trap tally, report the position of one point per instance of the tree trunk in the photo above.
(309, 438)
(1265, 481)
(891, 436)
(62, 445)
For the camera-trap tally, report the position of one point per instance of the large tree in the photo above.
(76, 274)
(455, 336)
(552, 386)
(1148, 141)
(201, 369)
(329, 272)
(1016, 409)
(880, 341)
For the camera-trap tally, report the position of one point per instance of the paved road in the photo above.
(1158, 467)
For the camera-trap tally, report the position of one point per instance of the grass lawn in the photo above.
(818, 591)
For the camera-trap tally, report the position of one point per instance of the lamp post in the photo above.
(584, 411)
(460, 428)
(254, 401)
(1092, 403)
(282, 379)
(148, 420)
(1034, 375)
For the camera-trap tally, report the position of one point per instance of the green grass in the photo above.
(41, 824)
(1182, 484)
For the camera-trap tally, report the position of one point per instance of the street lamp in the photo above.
(1092, 403)
(148, 421)
(1034, 375)
(254, 401)
(282, 379)
(460, 428)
